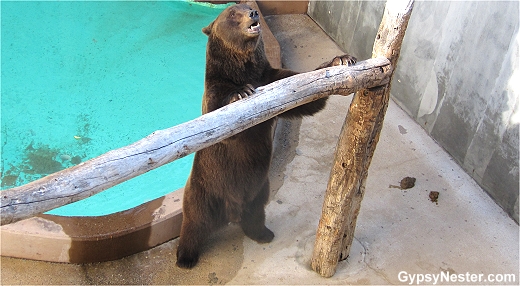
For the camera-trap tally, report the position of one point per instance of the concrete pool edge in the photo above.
(96, 239)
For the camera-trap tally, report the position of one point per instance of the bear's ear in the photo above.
(207, 30)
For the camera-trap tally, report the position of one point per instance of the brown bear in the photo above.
(228, 180)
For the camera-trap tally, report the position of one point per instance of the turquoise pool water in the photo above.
(82, 78)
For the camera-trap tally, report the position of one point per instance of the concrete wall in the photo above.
(270, 7)
(458, 76)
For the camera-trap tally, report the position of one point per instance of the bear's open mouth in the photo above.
(254, 28)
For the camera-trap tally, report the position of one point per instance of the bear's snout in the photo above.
(253, 14)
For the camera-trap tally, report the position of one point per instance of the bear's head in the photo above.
(238, 26)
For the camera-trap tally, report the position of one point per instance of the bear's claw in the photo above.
(344, 60)
(241, 93)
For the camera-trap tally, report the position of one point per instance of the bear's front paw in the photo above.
(344, 60)
(241, 93)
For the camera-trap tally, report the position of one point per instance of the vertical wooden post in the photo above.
(356, 145)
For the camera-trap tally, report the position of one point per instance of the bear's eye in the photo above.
(232, 14)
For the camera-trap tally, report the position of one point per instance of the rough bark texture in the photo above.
(164, 146)
(356, 145)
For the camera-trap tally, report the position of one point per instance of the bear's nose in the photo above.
(253, 14)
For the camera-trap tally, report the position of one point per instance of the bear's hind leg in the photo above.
(192, 238)
(200, 220)
(253, 218)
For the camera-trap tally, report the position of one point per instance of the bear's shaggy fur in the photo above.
(228, 181)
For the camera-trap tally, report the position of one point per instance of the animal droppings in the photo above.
(407, 183)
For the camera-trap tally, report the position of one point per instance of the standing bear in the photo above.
(228, 180)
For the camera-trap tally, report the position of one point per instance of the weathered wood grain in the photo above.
(356, 145)
(164, 146)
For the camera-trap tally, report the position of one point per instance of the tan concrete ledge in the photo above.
(94, 239)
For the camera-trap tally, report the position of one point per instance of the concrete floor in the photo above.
(397, 230)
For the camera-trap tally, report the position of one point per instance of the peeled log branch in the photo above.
(164, 146)
(356, 146)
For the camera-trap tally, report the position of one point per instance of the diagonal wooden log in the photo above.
(164, 146)
(356, 145)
